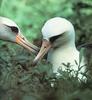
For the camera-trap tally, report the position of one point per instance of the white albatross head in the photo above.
(59, 41)
(57, 32)
(9, 31)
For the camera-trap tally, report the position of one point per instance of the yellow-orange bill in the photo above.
(21, 40)
(46, 45)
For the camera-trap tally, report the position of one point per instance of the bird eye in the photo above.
(52, 39)
(15, 29)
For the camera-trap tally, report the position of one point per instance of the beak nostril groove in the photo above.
(45, 47)
(23, 38)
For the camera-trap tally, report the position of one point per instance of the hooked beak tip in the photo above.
(46, 45)
(34, 63)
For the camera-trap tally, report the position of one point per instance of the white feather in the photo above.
(66, 51)
(7, 22)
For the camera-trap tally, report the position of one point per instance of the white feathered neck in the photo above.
(63, 49)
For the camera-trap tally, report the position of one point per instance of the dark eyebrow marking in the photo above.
(52, 39)
(13, 28)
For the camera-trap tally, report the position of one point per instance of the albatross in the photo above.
(59, 41)
(9, 31)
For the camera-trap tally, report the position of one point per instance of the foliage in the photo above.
(18, 80)
(30, 14)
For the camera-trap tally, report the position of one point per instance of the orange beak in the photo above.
(21, 40)
(46, 45)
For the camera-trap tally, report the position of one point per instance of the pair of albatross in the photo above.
(58, 40)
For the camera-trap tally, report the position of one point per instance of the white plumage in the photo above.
(62, 50)
(9, 31)
(8, 22)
